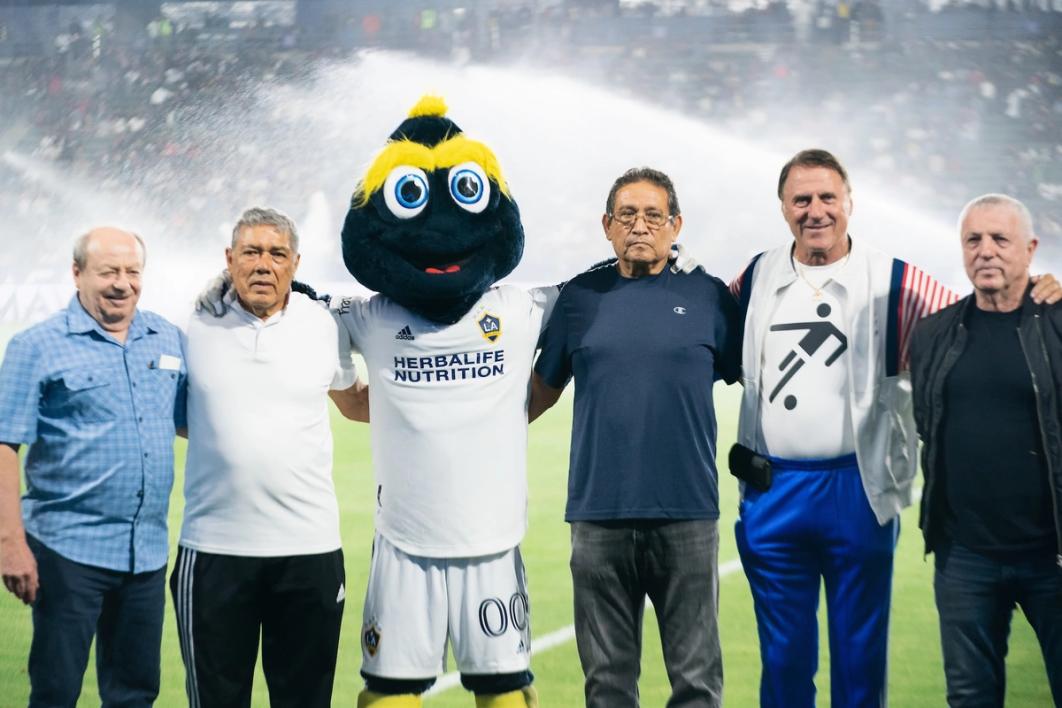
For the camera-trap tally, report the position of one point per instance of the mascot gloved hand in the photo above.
(431, 228)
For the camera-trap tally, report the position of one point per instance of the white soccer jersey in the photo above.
(258, 480)
(449, 419)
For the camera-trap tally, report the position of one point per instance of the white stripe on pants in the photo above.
(183, 605)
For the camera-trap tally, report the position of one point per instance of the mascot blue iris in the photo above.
(432, 228)
(432, 224)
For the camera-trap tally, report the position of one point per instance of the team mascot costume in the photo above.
(431, 228)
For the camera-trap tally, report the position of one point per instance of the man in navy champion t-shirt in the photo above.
(644, 345)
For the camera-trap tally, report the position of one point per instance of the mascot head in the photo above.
(431, 224)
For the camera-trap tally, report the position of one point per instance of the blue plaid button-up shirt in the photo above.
(99, 419)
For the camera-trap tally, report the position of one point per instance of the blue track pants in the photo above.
(815, 522)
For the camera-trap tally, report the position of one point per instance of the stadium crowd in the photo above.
(933, 116)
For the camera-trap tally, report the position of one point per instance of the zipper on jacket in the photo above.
(958, 346)
(1040, 425)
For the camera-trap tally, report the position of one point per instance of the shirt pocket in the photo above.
(159, 392)
(85, 396)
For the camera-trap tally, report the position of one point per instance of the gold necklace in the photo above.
(816, 290)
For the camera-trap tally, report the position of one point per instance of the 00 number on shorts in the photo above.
(495, 615)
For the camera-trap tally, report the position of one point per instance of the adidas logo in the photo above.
(405, 333)
(342, 594)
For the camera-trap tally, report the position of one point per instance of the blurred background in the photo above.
(171, 117)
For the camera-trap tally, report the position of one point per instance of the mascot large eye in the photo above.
(470, 187)
(406, 191)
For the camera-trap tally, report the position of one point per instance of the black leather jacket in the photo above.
(936, 344)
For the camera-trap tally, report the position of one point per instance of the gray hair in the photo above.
(644, 174)
(81, 245)
(264, 216)
(1016, 206)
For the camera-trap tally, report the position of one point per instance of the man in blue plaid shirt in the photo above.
(97, 393)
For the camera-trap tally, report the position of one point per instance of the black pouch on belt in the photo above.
(750, 467)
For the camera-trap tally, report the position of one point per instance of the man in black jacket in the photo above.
(986, 373)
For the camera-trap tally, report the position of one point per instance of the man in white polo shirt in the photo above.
(260, 546)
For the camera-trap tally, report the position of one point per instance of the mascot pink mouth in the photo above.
(462, 261)
(431, 270)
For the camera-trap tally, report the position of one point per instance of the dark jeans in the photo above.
(976, 595)
(615, 565)
(123, 611)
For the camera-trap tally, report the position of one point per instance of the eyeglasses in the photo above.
(653, 219)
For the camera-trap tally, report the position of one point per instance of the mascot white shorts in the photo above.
(414, 603)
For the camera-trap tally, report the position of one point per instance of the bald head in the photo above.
(107, 267)
(100, 236)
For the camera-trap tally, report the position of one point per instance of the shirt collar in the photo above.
(846, 277)
(232, 302)
(79, 321)
(851, 276)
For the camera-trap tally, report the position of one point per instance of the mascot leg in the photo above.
(526, 697)
(502, 690)
(368, 699)
(381, 692)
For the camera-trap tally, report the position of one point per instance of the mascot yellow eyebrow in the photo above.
(448, 153)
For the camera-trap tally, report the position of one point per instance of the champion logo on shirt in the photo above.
(405, 333)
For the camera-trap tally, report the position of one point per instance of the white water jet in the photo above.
(561, 142)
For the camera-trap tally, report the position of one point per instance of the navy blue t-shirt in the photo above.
(644, 353)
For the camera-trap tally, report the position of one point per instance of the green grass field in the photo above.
(915, 675)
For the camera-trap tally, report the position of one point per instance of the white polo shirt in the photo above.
(258, 478)
(449, 419)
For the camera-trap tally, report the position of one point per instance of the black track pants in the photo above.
(224, 602)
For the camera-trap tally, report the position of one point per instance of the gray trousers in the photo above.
(615, 566)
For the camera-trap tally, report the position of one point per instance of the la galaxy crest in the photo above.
(370, 638)
(490, 327)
